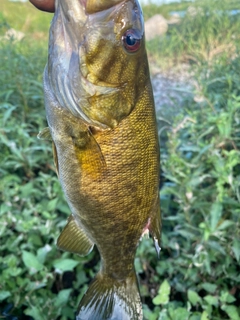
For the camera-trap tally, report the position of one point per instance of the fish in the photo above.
(102, 123)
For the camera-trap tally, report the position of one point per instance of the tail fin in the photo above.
(111, 299)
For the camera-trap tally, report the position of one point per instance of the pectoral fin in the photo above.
(45, 134)
(74, 239)
(89, 155)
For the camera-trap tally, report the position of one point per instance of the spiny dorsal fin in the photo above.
(45, 134)
(74, 239)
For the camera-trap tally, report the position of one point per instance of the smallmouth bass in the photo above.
(101, 118)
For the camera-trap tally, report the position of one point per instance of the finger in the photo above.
(44, 5)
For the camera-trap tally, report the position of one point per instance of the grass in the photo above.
(197, 276)
(165, 10)
(198, 39)
(25, 18)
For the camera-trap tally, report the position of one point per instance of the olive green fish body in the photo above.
(102, 122)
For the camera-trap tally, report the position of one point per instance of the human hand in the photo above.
(44, 5)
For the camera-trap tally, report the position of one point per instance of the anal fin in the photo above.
(74, 239)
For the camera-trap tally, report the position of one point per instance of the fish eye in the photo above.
(131, 40)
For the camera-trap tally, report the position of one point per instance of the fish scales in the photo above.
(101, 118)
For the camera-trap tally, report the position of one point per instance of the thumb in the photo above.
(44, 5)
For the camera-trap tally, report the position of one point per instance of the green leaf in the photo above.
(148, 314)
(35, 239)
(195, 316)
(163, 315)
(81, 278)
(163, 294)
(204, 316)
(209, 287)
(227, 297)
(62, 298)
(225, 224)
(215, 214)
(179, 314)
(63, 265)
(231, 311)
(52, 204)
(13, 271)
(67, 313)
(216, 246)
(42, 253)
(34, 285)
(193, 297)
(26, 190)
(35, 313)
(236, 249)
(8, 112)
(4, 295)
(31, 262)
(212, 300)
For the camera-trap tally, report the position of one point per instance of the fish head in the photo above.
(97, 59)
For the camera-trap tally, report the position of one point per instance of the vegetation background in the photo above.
(198, 274)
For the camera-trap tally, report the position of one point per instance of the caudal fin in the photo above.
(111, 299)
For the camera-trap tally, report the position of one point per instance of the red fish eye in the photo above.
(132, 40)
